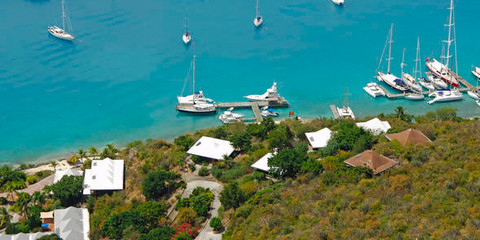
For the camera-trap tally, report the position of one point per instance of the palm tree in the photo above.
(5, 218)
(38, 198)
(92, 151)
(400, 112)
(54, 165)
(72, 160)
(10, 188)
(82, 154)
(21, 205)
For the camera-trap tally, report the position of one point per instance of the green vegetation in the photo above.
(68, 191)
(203, 171)
(199, 201)
(50, 237)
(216, 223)
(159, 184)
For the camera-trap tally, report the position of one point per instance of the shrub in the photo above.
(232, 196)
(50, 237)
(185, 231)
(3, 201)
(163, 233)
(116, 224)
(159, 184)
(68, 190)
(203, 171)
(192, 167)
(216, 223)
(31, 179)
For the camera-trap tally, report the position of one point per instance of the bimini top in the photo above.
(262, 163)
(320, 138)
(212, 148)
(376, 126)
(105, 174)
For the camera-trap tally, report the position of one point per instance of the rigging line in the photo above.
(383, 52)
(186, 78)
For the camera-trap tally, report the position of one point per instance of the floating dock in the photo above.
(255, 106)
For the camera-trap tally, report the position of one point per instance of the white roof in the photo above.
(72, 223)
(376, 126)
(23, 236)
(320, 138)
(262, 163)
(106, 174)
(211, 148)
(59, 174)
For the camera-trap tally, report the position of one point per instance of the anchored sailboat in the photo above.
(338, 2)
(442, 70)
(186, 37)
(195, 103)
(61, 32)
(390, 79)
(258, 18)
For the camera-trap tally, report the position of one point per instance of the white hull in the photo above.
(445, 96)
(426, 84)
(478, 102)
(414, 96)
(197, 108)
(60, 33)
(474, 94)
(412, 84)
(230, 117)
(392, 81)
(270, 95)
(338, 2)
(345, 112)
(437, 82)
(476, 72)
(373, 90)
(258, 21)
(187, 37)
(441, 71)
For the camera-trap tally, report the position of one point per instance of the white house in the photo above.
(320, 138)
(262, 163)
(59, 174)
(211, 148)
(105, 175)
(376, 126)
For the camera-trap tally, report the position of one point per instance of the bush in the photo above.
(203, 172)
(200, 201)
(68, 190)
(50, 237)
(163, 233)
(159, 184)
(288, 163)
(232, 196)
(114, 227)
(184, 142)
(192, 167)
(3, 201)
(216, 223)
(31, 179)
(18, 227)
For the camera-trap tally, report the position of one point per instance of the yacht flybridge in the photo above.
(197, 102)
(442, 70)
(61, 32)
(390, 79)
(270, 95)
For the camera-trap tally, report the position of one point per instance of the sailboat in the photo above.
(61, 32)
(424, 82)
(197, 102)
(442, 70)
(258, 18)
(345, 111)
(474, 93)
(338, 2)
(186, 37)
(407, 78)
(390, 79)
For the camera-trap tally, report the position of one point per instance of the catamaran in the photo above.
(270, 95)
(338, 2)
(61, 32)
(373, 90)
(197, 102)
(345, 111)
(408, 79)
(445, 95)
(186, 37)
(258, 18)
(390, 79)
(442, 70)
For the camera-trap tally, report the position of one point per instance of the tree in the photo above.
(232, 196)
(38, 198)
(92, 151)
(68, 190)
(5, 218)
(152, 213)
(216, 223)
(54, 165)
(73, 159)
(21, 205)
(109, 152)
(159, 184)
(184, 142)
(269, 124)
(241, 141)
(163, 233)
(279, 138)
(347, 136)
(288, 163)
(50, 237)
(114, 227)
(82, 154)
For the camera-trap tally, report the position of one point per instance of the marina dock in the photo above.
(334, 111)
(255, 106)
(388, 94)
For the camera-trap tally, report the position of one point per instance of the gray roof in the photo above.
(23, 236)
(69, 224)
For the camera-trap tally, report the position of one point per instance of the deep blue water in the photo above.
(118, 81)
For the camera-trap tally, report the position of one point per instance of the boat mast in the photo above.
(258, 10)
(402, 64)
(63, 15)
(193, 86)
(186, 24)
(390, 49)
(449, 41)
(417, 60)
(345, 100)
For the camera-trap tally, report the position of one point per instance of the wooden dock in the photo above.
(255, 106)
(334, 111)
(462, 80)
(388, 94)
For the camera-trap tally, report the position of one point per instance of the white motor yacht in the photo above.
(426, 83)
(339, 2)
(61, 32)
(436, 81)
(230, 117)
(268, 112)
(270, 95)
(373, 90)
(445, 96)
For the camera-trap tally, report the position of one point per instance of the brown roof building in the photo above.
(409, 136)
(371, 159)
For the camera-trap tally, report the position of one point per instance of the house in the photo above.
(69, 224)
(376, 126)
(320, 138)
(262, 163)
(373, 160)
(59, 174)
(105, 175)
(409, 136)
(211, 148)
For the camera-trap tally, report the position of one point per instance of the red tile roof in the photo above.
(371, 159)
(409, 136)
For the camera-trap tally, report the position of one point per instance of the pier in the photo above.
(462, 80)
(255, 106)
(334, 111)
(388, 94)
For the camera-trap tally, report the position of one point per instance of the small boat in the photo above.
(476, 72)
(268, 112)
(187, 36)
(478, 102)
(345, 111)
(410, 81)
(414, 96)
(258, 18)
(436, 81)
(426, 83)
(374, 90)
(197, 102)
(61, 32)
(445, 95)
(475, 94)
(230, 117)
(270, 95)
(338, 2)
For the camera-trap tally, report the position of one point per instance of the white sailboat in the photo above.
(338, 2)
(61, 32)
(436, 81)
(476, 72)
(390, 79)
(258, 18)
(442, 70)
(345, 111)
(424, 82)
(195, 103)
(270, 95)
(187, 36)
(407, 78)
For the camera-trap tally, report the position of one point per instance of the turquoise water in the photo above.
(118, 81)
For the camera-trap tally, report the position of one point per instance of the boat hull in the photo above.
(438, 72)
(373, 90)
(258, 21)
(473, 94)
(338, 2)
(415, 97)
(445, 96)
(390, 80)
(194, 110)
(186, 39)
(60, 33)
(478, 102)
(476, 74)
